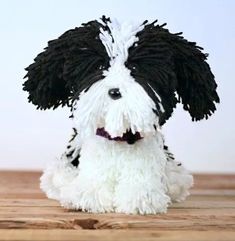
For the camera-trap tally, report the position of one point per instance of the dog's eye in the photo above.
(115, 93)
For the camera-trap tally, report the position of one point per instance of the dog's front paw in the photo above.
(136, 202)
(89, 197)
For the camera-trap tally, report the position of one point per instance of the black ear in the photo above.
(196, 86)
(68, 65)
(176, 69)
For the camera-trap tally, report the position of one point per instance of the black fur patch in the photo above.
(169, 155)
(170, 64)
(68, 65)
(75, 161)
(75, 133)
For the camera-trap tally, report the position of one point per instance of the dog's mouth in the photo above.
(128, 136)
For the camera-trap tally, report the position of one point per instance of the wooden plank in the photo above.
(20, 184)
(192, 224)
(201, 204)
(193, 201)
(213, 181)
(117, 235)
(44, 210)
(212, 192)
(56, 217)
(29, 202)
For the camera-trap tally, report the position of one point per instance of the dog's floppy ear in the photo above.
(196, 86)
(68, 65)
(175, 69)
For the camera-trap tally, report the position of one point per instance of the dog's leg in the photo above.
(178, 179)
(137, 194)
(92, 189)
(61, 172)
(141, 188)
(141, 196)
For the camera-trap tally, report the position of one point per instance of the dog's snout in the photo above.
(115, 93)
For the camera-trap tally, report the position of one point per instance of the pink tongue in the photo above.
(128, 136)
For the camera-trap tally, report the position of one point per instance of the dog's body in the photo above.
(122, 83)
(116, 177)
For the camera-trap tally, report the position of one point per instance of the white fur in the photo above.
(117, 177)
(123, 37)
(114, 176)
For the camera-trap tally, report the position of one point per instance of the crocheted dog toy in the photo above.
(122, 82)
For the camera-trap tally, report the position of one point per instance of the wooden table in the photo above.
(26, 214)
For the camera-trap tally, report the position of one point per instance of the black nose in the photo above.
(115, 93)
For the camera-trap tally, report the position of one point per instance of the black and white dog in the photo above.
(122, 82)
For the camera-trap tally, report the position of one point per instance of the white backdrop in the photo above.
(30, 138)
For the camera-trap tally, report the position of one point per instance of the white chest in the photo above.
(102, 158)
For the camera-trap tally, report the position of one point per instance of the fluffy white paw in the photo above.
(58, 174)
(87, 196)
(140, 201)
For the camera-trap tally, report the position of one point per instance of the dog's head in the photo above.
(122, 81)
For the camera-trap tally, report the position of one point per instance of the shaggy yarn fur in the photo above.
(122, 82)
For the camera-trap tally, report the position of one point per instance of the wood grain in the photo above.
(117, 235)
(26, 214)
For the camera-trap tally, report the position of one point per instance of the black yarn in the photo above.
(68, 65)
(75, 161)
(171, 64)
(74, 135)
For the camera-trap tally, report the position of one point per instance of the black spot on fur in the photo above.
(75, 133)
(75, 161)
(69, 154)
